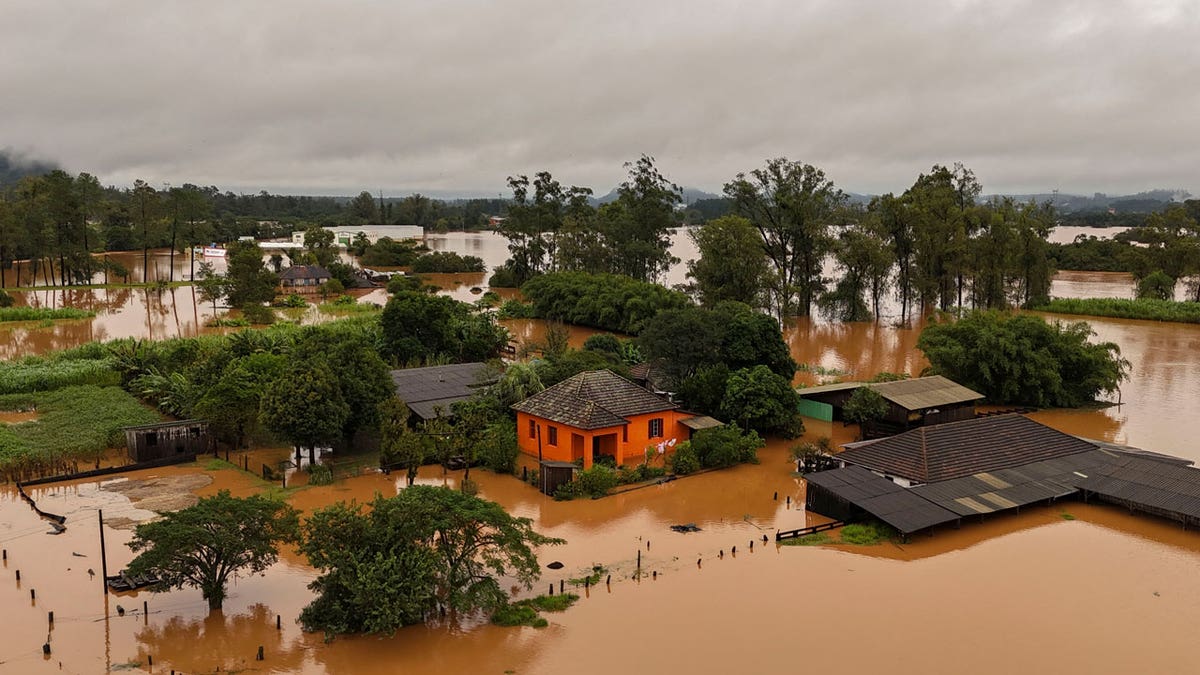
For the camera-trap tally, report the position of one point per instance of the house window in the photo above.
(656, 427)
(553, 435)
(532, 429)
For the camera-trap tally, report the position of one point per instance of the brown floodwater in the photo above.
(1034, 592)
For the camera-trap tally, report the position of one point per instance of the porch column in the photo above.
(589, 451)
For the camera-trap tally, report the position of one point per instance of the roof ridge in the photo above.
(924, 454)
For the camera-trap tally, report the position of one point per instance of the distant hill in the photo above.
(1142, 202)
(690, 196)
(14, 167)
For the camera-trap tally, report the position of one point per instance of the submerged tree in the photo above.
(409, 555)
(732, 264)
(792, 205)
(203, 546)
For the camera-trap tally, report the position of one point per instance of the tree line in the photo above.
(56, 220)
(934, 246)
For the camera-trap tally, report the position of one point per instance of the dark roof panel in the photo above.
(305, 272)
(882, 498)
(957, 449)
(425, 389)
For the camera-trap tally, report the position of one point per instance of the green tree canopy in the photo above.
(732, 264)
(306, 405)
(248, 281)
(1020, 359)
(220, 537)
(758, 399)
(864, 406)
(408, 555)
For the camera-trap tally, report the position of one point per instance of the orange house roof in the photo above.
(593, 400)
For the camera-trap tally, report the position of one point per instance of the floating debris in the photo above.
(690, 527)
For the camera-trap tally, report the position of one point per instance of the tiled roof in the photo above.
(958, 449)
(593, 400)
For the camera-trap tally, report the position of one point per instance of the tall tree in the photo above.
(203, 546)
(792, 205)
(865, 258)
(145, 206)
(306, 406)
(363, 209)
(732, 264)
(249, 282)
(637, 227)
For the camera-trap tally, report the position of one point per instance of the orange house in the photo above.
(598, 413)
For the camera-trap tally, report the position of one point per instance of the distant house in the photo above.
(915, 402)
(303, 278)
(152, 442)
(431, 391)
(600, 414)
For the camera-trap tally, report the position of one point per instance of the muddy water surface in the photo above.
(1036, 593)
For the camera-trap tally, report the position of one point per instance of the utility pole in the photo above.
(103, 555)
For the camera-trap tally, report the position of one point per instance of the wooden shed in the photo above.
(150, 442)
(552, 474)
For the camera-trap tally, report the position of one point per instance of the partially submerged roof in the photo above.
(1148, 483)
(918, 393)
(1002, 489)
(593, 400)
(894, 505)
(425, 390)
(957, 449)
(305, 272)
(165, 425)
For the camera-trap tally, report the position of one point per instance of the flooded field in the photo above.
(1034, 592)
(1103, 592)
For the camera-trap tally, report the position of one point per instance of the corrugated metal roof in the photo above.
(1002, 489)
(1149, 483)
(894, 505)
(918, 393)
(701, 422)
(827, 388)
(957, 449)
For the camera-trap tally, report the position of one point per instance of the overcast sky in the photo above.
(337, 97)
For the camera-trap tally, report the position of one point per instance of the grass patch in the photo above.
(526, 612)
(74, 424)
(41, 373)
(598, 572)
(219, 465)
(43, 313)
(348, 308)
(1067, 516)
(227, 322)
(865, 534)
(814, 539)
(1149, 310)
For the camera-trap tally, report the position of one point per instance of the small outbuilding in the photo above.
(915, 402)
(153, 442)
(303, 278)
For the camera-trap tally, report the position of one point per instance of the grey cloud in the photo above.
(337, 97)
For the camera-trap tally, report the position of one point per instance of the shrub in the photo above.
(258, 315)
(503, 277)
(684, 460)
(401, 283)
(6, 300)
(606, 301)
(866, 534)
(865, 405)
(319, 474)
(515, 309)
(295, 301)
(447, 262)
(498, 449)
(725, 446)
(594, 482)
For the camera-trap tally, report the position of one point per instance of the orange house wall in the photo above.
(628, 451)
